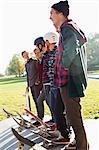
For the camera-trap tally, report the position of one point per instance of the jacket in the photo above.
(32, 72)
(74, 58)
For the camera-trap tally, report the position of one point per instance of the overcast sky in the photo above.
(21, 21)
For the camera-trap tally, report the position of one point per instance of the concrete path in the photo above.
(93, 76)
(9, 142)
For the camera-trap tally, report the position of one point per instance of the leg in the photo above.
(33, 94)
(40, 104)
(48, 99)
(58, 111)
(35, 90)
(73, 111)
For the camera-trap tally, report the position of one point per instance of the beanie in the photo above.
(62, 7)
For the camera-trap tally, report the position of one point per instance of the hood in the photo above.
(80, 35)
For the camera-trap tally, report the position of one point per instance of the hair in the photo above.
(39, 40)
(62, 7)
(36, 49)
(23, 53)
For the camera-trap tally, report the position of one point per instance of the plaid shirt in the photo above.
(61, 73)
(45, 76)
(51, 63)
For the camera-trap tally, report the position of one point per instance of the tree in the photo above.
(16, 65)
(93, 52)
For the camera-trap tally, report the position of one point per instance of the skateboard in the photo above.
(26, 141)
(47, 126)
(11, 115)
(8, 113)
(27, 124)
(28, 103)
(31, 127)
(20, 120)
(47, 143)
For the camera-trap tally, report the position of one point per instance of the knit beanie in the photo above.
(62, 7)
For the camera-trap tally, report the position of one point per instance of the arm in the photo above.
(27, 77)
(69, 41)
(37, 82)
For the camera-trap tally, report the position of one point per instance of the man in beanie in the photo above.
(71, 70)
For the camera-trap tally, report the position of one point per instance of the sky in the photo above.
(21, 21)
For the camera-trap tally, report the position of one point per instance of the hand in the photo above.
(27, 89)
(48, 74)
(37, 83)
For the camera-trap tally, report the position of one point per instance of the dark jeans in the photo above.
(73, 111)
(35, 91)
(58, 111)
(44, 95)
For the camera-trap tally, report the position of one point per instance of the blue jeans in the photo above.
(35, 91)
(58, 111)
(44, 95)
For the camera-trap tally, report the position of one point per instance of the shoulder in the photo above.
(67, 31)
(33, 61)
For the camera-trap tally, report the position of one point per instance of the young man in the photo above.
(33, 82)
(44, 94)
(56, 101)
(71, 69)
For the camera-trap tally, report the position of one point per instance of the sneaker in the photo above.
(50, 121)
(71, 145)
(53, 127)
(62, 140)
(55, 134)
(37, 123)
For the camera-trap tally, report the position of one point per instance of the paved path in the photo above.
(9, 142)
(93, 76)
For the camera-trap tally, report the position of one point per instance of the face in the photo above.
(37, 53)
(47, 44)
(26, 55)
(54, 16)
(39, 46)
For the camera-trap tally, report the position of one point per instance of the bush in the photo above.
(1, 75)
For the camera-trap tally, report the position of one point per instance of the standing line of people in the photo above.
(59, 76)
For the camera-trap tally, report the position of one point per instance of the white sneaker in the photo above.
(55, 133)
(70, 146)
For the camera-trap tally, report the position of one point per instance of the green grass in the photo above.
(12, 90)
(11, 96)
(90, 102)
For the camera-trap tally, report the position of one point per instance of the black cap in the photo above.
(62, 7)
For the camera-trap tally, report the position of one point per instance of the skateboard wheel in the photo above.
(21, 146)
(20, 129)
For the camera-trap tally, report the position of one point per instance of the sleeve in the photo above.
(27, 75)
(69, 42)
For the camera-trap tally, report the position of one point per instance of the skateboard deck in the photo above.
(47, 143)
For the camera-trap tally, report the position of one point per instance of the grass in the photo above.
(11, 96)
(90, 102)
(12, 90)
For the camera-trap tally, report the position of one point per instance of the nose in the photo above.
(50, 18)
